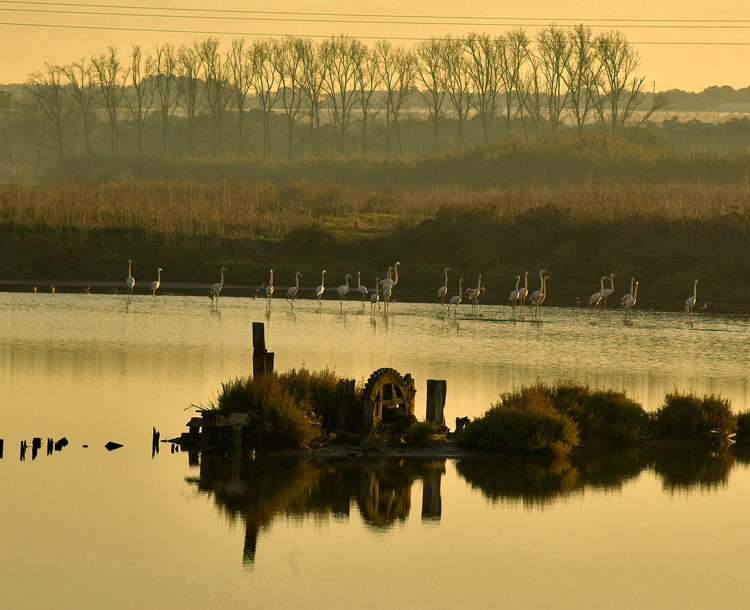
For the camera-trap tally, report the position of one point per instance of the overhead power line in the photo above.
(281, 35)
(455, 18)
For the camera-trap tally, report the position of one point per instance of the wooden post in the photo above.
(260, 355)
(1, 449)
(436, 389)
(259, 336)
(345, 393)
(268, 360)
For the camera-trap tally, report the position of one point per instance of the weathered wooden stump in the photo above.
(262, 358)
(436, 389)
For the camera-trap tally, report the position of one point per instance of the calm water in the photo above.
(84, 527)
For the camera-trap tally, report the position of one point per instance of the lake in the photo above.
(85, 527)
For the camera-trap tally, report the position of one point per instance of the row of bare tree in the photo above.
(560, 74)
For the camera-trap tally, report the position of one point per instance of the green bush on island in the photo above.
(687, 416)
(524, 421)
(601, 415)
(421, 432)
(743, 428)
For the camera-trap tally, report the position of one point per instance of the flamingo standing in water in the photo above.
(534, 299)
(607, 291)
(442, 291)
(625, 297)
(320, 289)
(216, 288)
(596, 298)
(130, 282)
(269, 290)
(155, 285)
(343, 290)
(472, 294)
(514, 293)
(630, 301)
(455, 300)
(524, 292)
(375, 298)
(690, 302)
(291, 294)
(361, 289)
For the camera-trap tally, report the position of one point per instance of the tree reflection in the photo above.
(256, 491)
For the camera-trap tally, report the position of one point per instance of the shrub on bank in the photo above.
(691, 417)
(601, 415)
(743, 428)
(421, 433)
(524, 421)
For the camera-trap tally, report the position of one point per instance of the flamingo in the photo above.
(538, 296)
(375, 298)
(291, 294)
(625, 297)
(607, 291)
(630, 301)
(514, 293)
(344, 289)
(443, 289)
(387, 289)
(472, 294)
(361, 289)
(538, 293)
(524, 292)
(320, 289)
(391, 279)
(155, 285)
(455, 300)
(596, 298)
(690, 301)
(269, 290)
(216, 288)
(130, 282)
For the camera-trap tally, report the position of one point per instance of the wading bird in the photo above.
(269, 290)
(361, 288)
(472, 294)
(291, 294)
(625, 297)
(455, 300)
(375, 298)
(343, 290)
(538, 296)
(216, 288)
(534, 299)
(443, 290)
(513, 298)
(630, 301)
(155, 285)
(391, 276)
(130, 282)
(607, 291)
(524, 292)
(690, 302)
(320, 289)
(596, 298)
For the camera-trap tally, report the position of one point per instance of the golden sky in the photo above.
(658, 29)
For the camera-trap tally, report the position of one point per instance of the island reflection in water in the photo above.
(256, 491)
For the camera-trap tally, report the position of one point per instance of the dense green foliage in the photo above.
(707, 418)
(525, 421)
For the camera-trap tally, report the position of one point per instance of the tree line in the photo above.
(333, 96)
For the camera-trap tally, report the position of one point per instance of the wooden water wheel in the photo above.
(389, 399)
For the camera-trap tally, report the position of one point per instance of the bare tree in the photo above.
(218, 94)
(485, 74)
(166, 87)
(512, 55)
(189, 85)
(139, 92)
(81, 89)
(553, 52)
(582, 73)
(47, 89)
(341, 55)
(396, 67)
(457, 81)
(109, 79)
(430, 70)
(367, 81)
(313, 76)
(265, 83)
(241, 78)
(288, 61)
(530, 92)
(621, 87)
